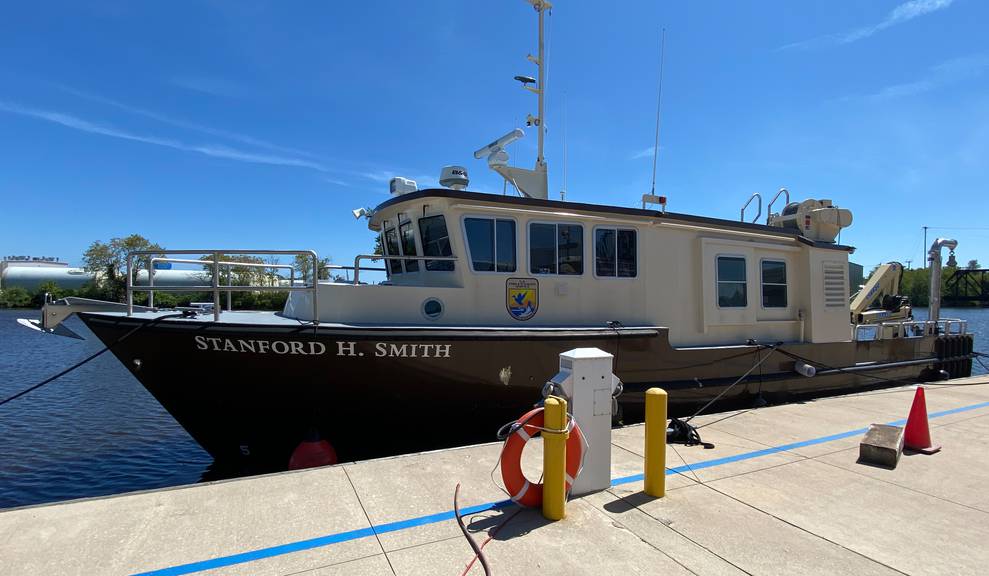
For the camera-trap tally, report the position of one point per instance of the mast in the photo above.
(541, 6)
(531, 183)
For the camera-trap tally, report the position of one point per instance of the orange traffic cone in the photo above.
(917, 434)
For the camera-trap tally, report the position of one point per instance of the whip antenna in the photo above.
(563, 192)
(659, 104)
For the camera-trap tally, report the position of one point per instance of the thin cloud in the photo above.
(948, 72)
(383, 176)
(186, 125)
(902, 13)
(336, 182)
(208, 85)
(213, 150)
(379, 176)
(644, 153)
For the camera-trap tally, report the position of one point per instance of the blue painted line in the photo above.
(786, 447)
(320, 541)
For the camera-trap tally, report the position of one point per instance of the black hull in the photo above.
(249, 393)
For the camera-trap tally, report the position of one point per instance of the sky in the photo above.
(250, 124)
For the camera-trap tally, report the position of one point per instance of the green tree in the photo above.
(324, 268)
(239, 275)
(973, 265)
(303, 267)
(15, 297)
(108, 262)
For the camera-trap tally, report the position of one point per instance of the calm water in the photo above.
(92, 432)
(96, 431)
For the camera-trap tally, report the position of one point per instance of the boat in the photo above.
(485, 291)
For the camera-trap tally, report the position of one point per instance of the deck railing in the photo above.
(214, 263)
(373, 257)
(909, 329)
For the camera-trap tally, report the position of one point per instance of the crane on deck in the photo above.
(879, 300)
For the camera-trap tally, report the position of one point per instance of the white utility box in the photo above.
(586, 380)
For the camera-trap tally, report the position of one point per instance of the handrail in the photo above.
(769, 211)
(918, 327)
(215, 285)
(741, 216)
(229, 265)
(373, 257)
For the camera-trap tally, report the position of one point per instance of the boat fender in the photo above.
(804, 369)
(312, 452)
(521, 490)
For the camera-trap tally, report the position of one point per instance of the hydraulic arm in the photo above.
(880, 300)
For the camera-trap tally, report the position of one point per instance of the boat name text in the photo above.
(311, 348)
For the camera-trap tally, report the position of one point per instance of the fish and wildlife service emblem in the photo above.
(522, 296)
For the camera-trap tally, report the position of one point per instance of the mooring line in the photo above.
(338, 537)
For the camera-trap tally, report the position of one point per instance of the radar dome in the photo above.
(454, 177)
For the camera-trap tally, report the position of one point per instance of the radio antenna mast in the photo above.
(659, 104)
(563, 192)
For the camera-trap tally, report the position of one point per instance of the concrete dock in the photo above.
(781, 493)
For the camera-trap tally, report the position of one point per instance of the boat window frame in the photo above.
(556, 249)
(718, 281)
(384, 247)
(494, 247)
(415, 243)
(402, 219)
(425, 257)
(785, 285)
(616, 228)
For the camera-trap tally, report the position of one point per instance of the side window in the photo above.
(732, 288)
(505, 258)
(492, 244)
(435, 242)
(407, 235)
(570, 248)
(542, 248)
(556, 249)
(615, 252)
(773, 284)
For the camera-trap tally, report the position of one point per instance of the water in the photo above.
(92, 432)
(96, 431)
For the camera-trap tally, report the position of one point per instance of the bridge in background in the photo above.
(967, 286)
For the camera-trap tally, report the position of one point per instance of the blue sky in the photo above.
(262, 124)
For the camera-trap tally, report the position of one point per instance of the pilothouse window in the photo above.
(556, 249)
(614, 252)
(408, 237)
(732, 289)
(492, 244)
(435, 242)
(391, 249)
(400, 242)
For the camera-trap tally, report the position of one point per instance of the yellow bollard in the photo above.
(655, 473)
(555, 459)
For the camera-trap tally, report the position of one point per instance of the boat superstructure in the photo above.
(483, 292)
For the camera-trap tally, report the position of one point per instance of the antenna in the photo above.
(651, 197)
(659, 104)
(563, 192)
(531, 183)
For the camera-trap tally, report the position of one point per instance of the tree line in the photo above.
(916, 283)
(107, 262)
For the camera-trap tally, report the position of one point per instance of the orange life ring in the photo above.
(519, 488)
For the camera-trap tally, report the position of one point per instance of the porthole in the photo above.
(432, 308)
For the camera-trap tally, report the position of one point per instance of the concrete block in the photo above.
(882, 445)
